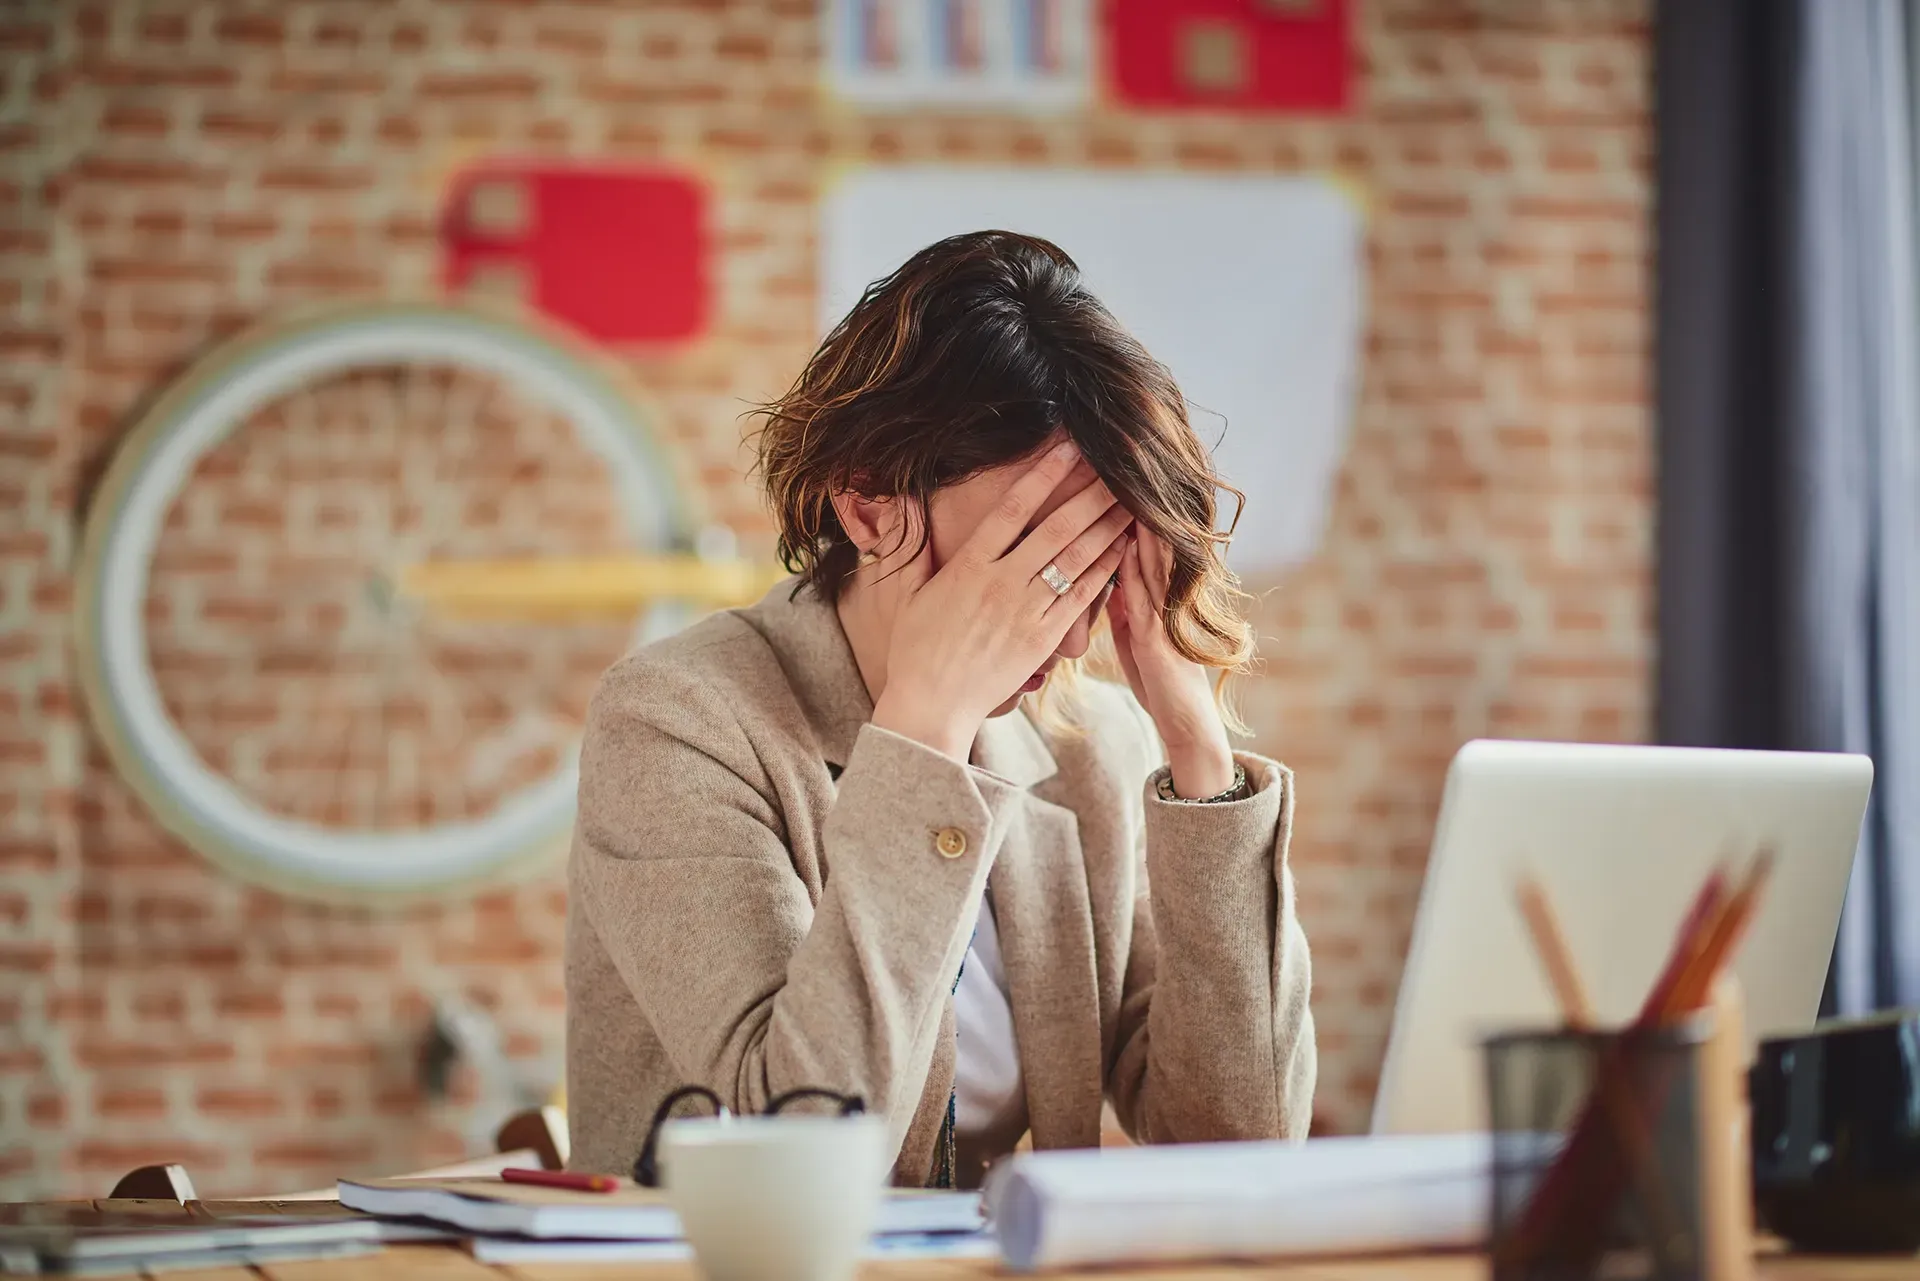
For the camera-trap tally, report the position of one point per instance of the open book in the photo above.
(631, 1213)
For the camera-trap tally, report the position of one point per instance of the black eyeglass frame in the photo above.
(646, 1169)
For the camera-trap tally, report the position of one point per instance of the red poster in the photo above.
(619, 254)
(1246, 55)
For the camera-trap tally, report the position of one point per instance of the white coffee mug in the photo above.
(775, 1198)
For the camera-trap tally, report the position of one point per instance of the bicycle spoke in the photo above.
(432, 444)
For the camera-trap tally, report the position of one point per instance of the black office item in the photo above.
(1836, 1135)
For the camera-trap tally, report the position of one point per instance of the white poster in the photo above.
(1249, 288)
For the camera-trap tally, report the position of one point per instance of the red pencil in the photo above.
(568, 1179)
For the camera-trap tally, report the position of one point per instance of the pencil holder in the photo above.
(1596, 1154)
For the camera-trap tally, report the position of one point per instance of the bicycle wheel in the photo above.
(254, 672)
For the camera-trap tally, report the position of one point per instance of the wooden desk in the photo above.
(452, 1263)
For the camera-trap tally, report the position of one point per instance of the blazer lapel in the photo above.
(1044, 914)
(805, 635)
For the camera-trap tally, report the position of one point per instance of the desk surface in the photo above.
(451, 1263)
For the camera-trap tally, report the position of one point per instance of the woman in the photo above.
(836, 840)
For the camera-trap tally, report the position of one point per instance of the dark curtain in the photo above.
(1724, 339)
(1787, 424)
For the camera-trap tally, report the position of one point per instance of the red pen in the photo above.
(569, 1179)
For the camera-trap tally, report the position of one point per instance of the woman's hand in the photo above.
(965, 639)
(1176, 691)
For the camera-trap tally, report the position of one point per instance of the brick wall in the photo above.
(170, 171)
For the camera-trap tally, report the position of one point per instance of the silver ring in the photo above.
(1053, 578)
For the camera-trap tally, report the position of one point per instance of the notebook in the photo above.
(79, 1240)
(631, 1213)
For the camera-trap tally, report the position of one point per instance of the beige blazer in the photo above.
(767, 892)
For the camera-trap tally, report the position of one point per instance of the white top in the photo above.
(987, 1084)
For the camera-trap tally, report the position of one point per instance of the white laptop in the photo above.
(1621, 838)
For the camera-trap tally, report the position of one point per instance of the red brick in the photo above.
(260, 30)
(21, 1060)
(506, 950)
(489, 86)
(128, 120)
(339, 1005)
(239, 1104)
(160, 221)
(249, 1004)
(148, 270)
(101, 1054)
(402, 130)
(481, 31)
(243, 226)
(314, 1154)
(71, 1007)
(160, 74)
(579, 41)
(402, 230)
(310, 1055)
(336, 33)
(144, 1103)
(339, 278)
(314, 179)
(744, 47)
(163, 28)
(25, 37)
(1571, 158)
(25, 958)
(240, 126)
(26, 344)
(162, 1007)
(329, 81)
(90, 22)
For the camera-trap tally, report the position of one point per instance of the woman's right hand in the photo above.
(966, 638)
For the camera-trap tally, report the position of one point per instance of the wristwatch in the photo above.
(1163, 788)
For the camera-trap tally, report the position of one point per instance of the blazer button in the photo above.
(951, 842)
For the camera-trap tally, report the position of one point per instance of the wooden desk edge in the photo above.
(449, 1262)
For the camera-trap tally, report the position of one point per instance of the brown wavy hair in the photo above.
(973, 355)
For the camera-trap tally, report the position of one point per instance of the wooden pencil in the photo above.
(1630, 1129)
(1550, 943)
(1695, 988)
(1561, 1214)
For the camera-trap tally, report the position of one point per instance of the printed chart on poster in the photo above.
(1249, 288)
(1032, 54)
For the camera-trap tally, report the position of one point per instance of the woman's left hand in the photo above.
(1176, 691)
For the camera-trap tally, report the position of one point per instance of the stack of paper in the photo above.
(76, 1239)
(525, 1223)
(1240, 1200)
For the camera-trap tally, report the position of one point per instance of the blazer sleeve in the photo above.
(751, 987)
(1215, 1038)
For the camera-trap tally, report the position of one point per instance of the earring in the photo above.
(869, 557)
